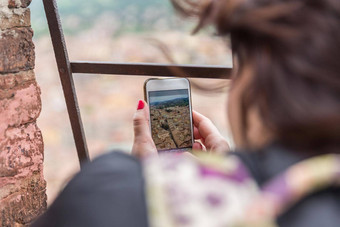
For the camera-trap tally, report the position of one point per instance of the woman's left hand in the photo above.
(143, 144)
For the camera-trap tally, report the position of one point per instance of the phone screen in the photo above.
(170, 119)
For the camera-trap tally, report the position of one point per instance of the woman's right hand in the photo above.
(209, 135)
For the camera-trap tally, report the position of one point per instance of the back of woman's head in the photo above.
(293, 47)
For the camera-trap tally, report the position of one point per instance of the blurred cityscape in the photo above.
(118, 31)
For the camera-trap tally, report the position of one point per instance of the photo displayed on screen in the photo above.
(170, 119)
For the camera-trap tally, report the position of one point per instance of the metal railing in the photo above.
(67, 68)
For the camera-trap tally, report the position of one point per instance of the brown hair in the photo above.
(294, 49)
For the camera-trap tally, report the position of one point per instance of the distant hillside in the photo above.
(171, 103)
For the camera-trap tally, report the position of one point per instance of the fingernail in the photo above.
(140, 105)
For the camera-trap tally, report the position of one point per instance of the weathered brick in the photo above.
(19, 3)
(22, 186)
(23, 194)
(11, 18)
(10, 80)
(17, 50)
(7, 189)
(23, 206)
(21, 152)
(19, 105)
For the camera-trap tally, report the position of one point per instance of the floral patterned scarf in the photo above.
(210, 190)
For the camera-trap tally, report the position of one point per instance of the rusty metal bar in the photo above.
(151, 69)
(66, 77)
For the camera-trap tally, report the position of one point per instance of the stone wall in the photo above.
(22, 186)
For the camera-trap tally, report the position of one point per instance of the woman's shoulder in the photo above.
(306, 187)
(269, 161)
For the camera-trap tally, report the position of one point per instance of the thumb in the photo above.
(141, 120)
(143, 143)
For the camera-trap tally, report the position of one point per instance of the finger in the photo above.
(197, 134)
(197, 146)
(211, 138)
(197, 117)
(204, 125)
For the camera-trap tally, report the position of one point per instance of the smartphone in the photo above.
(170, 113)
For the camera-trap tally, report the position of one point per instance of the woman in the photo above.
(284, 107)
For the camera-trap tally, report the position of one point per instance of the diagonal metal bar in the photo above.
(66, 77)
(151, 69)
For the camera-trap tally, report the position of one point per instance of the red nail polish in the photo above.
(140, 105)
